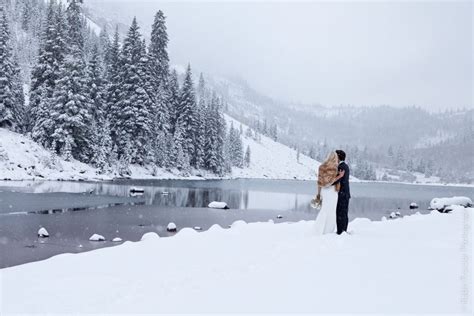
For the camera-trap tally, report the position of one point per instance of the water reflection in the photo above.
(370, 200)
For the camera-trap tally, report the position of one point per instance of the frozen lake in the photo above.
(73, 211)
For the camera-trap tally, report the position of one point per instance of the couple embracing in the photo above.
(333, 194)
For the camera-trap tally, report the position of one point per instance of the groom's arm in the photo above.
(339, 176)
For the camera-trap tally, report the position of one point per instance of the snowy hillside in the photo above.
(385, 267)
(22, 159)
(273, 160)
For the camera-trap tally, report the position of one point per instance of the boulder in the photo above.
(171, 227)
(97, 237)
(43, 233)
(218, 205)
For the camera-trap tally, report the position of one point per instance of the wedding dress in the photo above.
(326, 220)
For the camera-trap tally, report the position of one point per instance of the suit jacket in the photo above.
(345, 190)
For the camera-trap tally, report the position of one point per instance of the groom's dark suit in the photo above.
(344, 195)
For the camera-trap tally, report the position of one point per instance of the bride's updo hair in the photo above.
(328, 170)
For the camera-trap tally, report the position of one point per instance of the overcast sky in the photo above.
(332, 53)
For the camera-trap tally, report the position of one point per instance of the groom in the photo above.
(344, 193)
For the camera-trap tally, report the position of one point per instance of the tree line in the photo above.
(112, 102)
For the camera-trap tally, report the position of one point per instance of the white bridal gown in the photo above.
(326, 220)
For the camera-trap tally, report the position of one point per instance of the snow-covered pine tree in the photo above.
(158, 50)
(173, 100)
(96, 86)
(247, 157)
(45, 74)
(187, 119)
(71, 112)
(236, 147)
(112, 76)
(133, 111)
(202, 109)
(75, 24)
(104, 44)
(11, 90)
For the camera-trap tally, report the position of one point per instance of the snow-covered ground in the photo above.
(416, 264)
(23, 159)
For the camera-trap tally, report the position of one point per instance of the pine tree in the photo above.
(187, 119)
(133, 111)
(159, 59)
(75, 23)
(11, 91)
(247, 157)
(45, 74)
(71, 114)
(173, 100)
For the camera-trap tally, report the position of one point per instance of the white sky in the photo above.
(340, 52)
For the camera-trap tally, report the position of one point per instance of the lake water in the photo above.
(73, 211)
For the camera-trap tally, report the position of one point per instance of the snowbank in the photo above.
(264, 267)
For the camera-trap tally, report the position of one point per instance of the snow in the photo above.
(441, 203)
(150, 236)
(42, 232)
(97, 237)
(171, 227)
(23, 159)
(273, 160)
(218, 205)
(385, 267)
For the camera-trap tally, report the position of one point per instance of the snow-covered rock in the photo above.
(394, 215)
(43, 233)
(279, 216)
(97, 237)
(171, 227)
(218, 205)
(197, 228)
(440, 203)
(413, 206)
(117, 239)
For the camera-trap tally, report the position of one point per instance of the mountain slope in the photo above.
(23, 159)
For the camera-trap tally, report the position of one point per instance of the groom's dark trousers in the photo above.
(343, 198)
(342, 210)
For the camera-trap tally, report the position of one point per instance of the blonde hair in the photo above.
(328, 170)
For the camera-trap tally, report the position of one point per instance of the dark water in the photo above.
(73, 211)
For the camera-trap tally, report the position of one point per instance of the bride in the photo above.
(327, 195)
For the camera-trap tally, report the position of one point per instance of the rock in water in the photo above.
(280, 216)
(137, 190)
(413, 206)
(43, 233)
(218, 205)
(97, 237)
(171, 227)
(117, 239)
(197, 228)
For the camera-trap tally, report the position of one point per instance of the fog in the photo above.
(330, 53)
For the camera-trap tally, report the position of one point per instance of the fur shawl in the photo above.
(328, 171)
